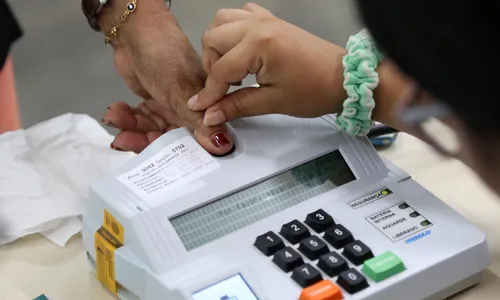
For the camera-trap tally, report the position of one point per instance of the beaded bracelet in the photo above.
(360, 79)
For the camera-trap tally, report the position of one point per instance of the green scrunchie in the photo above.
(360, 79)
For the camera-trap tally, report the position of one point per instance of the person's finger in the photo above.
(255, 8)
(224, 16)
(121, 116)
(246, 102)
(209, 57)
(217, 41)
(225, 37)
(152, 136)
(228, 15)
(234, 66)
(216, 140)
(170, 116)
(134, 141)
(160, 122)
(130, 141)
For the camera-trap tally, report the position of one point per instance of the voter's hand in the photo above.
(158, 64)
(299, 73)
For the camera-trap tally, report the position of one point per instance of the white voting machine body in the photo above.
(299, 210)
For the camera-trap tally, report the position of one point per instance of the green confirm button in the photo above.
(383, 266)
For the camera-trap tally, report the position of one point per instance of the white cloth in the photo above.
(45, 174)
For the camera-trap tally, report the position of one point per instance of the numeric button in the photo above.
(332, 264)
(357, 252)
(319, 220)
(306, 275)
(287, 259)
(338, 236)
(269, 243)
(313, 247)
(352, 281)
(294, 232)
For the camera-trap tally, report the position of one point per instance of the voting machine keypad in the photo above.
(331, 248)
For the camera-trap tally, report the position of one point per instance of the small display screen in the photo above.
(233, 288)
(250, 205)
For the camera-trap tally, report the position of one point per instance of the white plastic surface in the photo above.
(154, 263)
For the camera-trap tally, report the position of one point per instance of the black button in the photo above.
(294, 232)
(306, 275)
(414, 214)
(287, 259)
(332, 264)
(403, 206)
(357, 252)
(313, 247)
(352, 281)
(269, 243)
(338, 236)
(319, 220)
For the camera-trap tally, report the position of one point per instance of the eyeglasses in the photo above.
(430, 120)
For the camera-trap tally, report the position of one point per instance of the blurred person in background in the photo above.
(9, 33)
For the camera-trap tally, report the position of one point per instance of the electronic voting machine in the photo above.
(299, 210)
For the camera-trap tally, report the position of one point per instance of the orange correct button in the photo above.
(323, 290)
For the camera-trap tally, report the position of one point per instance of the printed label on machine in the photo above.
(398, 221)
(178, 163)
(372, 197)
(108, 238)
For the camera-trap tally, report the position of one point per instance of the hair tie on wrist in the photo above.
(360, 79)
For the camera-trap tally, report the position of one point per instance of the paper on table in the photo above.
(45, 173)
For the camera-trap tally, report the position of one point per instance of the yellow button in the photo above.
(323, 290)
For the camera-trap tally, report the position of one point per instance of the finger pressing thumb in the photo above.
(246, 102)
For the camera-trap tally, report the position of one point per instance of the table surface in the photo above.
(32, 266)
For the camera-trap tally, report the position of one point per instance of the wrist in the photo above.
(336, 83)
(146, 14)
